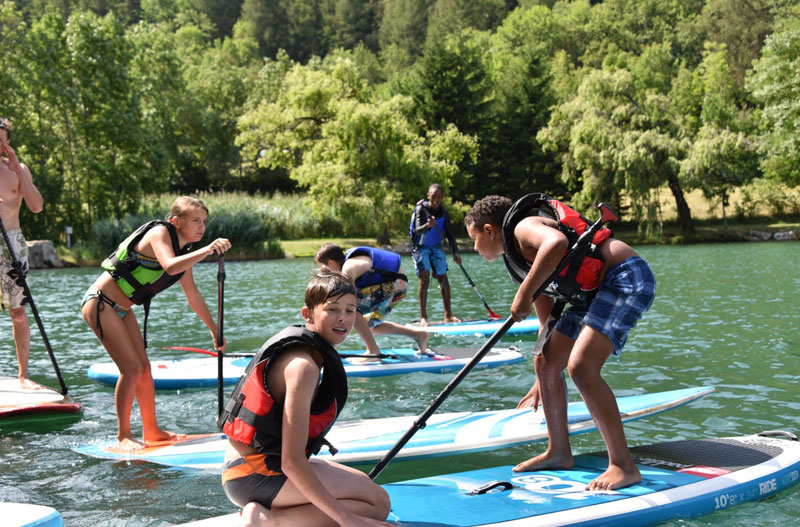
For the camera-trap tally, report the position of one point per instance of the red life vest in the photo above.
(576, 286)
(253, 417)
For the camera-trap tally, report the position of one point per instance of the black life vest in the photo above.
(574, 285)
(253, 417)
(385, 266)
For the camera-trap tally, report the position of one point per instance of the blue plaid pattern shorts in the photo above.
(626, 293)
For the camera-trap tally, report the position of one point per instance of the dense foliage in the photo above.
(361, 104)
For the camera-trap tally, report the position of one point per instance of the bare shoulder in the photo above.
(356, 266)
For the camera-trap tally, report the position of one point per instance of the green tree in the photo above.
(774, 83)
(335, 141)
(454, 16)
(354, 21)
(402, 31)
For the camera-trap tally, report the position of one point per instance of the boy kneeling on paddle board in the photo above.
(279, 413)
(380, 285)
(608, 291)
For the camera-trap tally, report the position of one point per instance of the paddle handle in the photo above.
(422, 420)
(220, 336)
(18, 266)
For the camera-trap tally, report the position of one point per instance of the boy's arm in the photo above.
(420, 220)
(542, 245)
(356, 266)
(33, 198)
(301, 374)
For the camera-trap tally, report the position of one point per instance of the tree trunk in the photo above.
(384, 239)
(684, 214)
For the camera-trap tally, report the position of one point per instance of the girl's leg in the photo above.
(122, 349)
(350, 486)
(591, 351)
(145, 389)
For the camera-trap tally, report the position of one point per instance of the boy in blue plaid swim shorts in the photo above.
(616, 288)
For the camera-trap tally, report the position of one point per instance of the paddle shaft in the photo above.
(220, 337)
(492, 314)
(583, 241)
(21, 280)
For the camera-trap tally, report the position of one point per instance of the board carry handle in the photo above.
(487, 487)
(22, 281)
(778, 433)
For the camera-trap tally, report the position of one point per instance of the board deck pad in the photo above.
(15, 400)
(483, 328)
(200, 373)
(680, 479)
(27, 515)
(367, 441)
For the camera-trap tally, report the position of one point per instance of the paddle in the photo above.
(492, 314)
(220, 339)
(343, 355)
(577, 250)
(20, 279)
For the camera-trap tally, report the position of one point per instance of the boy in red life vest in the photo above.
(278, 415)
(380, 285)
(615, 288)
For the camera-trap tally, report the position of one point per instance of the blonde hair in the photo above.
(182, 205)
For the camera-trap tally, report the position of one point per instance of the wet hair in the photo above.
(434, 187)
(5, 124)
(329, 251)
(327, 284)
(491, 209)
(183, 205)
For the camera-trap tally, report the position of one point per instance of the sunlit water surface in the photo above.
(725, 316)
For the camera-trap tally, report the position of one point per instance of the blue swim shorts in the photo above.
(425, 257)
(626, 293)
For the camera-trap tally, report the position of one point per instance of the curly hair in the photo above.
(491, 209)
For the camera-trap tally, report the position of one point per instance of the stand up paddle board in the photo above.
(197, 373)
(25, 515)
(680, 479)
(480, 327)
(368, 440)
(15, 400)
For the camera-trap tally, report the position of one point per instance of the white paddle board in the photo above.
(680, 479)
(368, 440)
(15, 400)
(197, 373)
(27, 515)
(483, 328)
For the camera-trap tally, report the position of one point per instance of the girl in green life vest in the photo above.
(151, 259)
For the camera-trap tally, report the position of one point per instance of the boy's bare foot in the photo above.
(423, 322)
(128, 444)
(161, 435)
(27, 384)
(615, 478)
(545, 461)
(452, 320)
(254, 514)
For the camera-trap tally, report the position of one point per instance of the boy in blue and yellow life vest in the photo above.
(380, 285)
(279, 413)
(607, 293)
(430, 225)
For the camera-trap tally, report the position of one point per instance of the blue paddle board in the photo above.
(27, 515)
(483, 328)
(366, 441)
(198, 373)
(680, 479)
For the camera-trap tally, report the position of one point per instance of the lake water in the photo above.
(725, 316)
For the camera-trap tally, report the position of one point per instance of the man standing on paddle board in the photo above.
(152, 258)
(380, 285)
(279, 413)
(429, 223)
(16, 186)
(609, 289)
